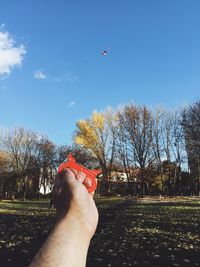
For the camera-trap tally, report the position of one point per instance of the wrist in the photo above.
(76, 226)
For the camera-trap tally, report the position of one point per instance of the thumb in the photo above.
(68, 177)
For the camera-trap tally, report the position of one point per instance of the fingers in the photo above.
(85, 181)
(71, 177)
(92, 194)
(66, 177)
(88, 182)
(74, 171)
(81, 177)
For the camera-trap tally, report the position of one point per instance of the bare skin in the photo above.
(77, 219)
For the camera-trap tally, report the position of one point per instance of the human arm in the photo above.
(77, 218)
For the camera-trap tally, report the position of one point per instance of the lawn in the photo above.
(131, 232)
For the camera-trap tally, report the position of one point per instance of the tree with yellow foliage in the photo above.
(97, 134)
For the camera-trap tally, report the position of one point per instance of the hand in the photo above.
(71, 198)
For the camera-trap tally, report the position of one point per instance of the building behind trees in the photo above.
(141, 151)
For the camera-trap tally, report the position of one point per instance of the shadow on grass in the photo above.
(130, 233)
(137, 233)
(21, 238)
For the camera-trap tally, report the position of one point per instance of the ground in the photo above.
(131, 232)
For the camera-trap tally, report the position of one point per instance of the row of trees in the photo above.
(153, 147)
(157, 150)
(28, 162)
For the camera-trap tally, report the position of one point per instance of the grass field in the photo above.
(131, 232)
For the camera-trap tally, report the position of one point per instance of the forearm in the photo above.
(66, 246)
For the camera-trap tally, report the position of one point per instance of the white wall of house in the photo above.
(48, 183)
(48, 189)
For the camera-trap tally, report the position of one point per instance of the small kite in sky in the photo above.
(105, 52)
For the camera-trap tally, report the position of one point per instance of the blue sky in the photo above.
(53, 72)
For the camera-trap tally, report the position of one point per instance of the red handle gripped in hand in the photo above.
(70, 162)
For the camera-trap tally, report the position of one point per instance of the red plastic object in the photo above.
(70, 162)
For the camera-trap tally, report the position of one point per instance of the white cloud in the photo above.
(40, 75)
(71, 104)
(10, 55)
(57, 80)
(71, 77)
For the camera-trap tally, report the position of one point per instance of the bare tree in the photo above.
(4, 172)
(20, 144)
(137, 125)
(158, 145)
(46, 162)
(173, 151)
(178, 150)
(191, 127)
